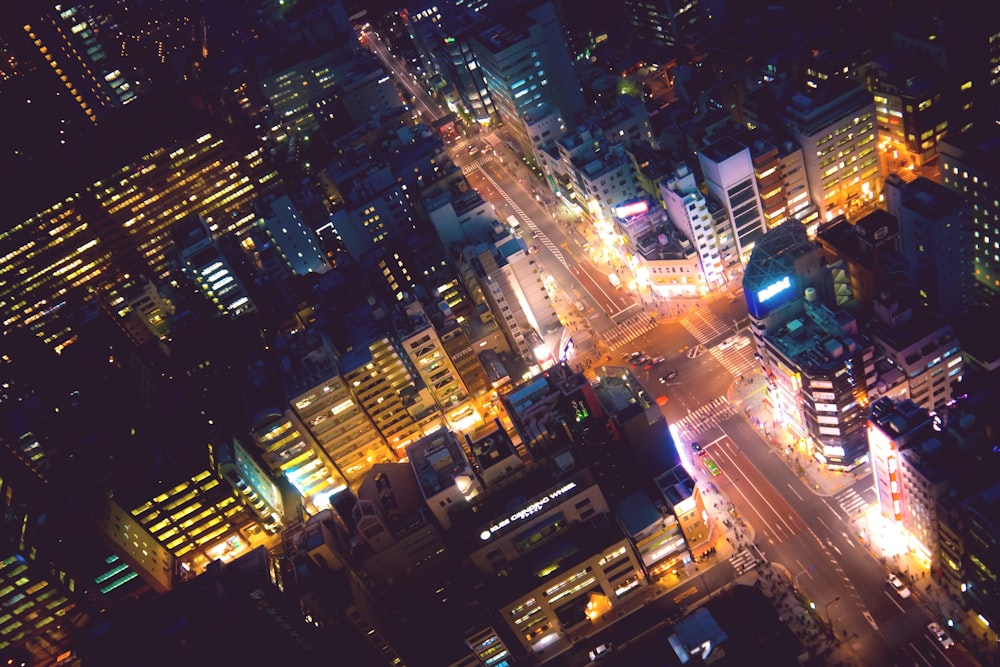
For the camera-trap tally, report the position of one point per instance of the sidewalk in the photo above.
(749, 394)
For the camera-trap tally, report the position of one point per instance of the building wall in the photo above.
(153, 561)
(535, 615)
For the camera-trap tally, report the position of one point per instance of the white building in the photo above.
(730, 177)
(690, 215)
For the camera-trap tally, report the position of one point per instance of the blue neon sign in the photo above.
(774, 289)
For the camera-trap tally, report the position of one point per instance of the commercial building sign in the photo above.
(632, 208)
(774, 289)
(527, 511)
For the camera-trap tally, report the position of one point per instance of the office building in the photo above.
(67, 38)
(385, 385)
(936, 239)
(869, 249)
(294, 240)
(820, 370)
(729, 176)
(656, 254)
(177, 533)
(891, 428)
(969, 168)
(201, 259)
(928, 352)
(121, 223)
(781, 181)
(981, 514)
(510, 281)
(400, 538)
(140, 308)
(526, 64)
(835, 126)
(668, 22)
(445, 45)
(421, 344)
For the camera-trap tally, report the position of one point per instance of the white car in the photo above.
(939, 634)
(601, 652)
(737, 342)
(898, 586)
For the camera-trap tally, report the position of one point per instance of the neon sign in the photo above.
(527, 511)
(634, 208)
(773, 289)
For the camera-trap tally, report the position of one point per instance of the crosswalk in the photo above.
(852, 502)
(628, 330)
(744, 560)
(472, 166)
(706, 417)
(737, 362)
(539, 236)
(705, 325)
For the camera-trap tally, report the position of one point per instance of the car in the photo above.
(738, 342)
(601, 652)
(940, 635)
(656, 361)
(473, 150)
(898, 586)
(667, 377)
(698, 449)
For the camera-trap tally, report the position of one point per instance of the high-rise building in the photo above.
(690, 215)
(969, 168)
(67, 38)
(326, 406)
(205, 265)
(60, 255)
(729, 176)
(835, 126)
(667, 22)
(936, 236)
(526, 63)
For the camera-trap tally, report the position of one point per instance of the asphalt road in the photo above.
(812, 536)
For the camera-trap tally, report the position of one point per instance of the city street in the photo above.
(805, 523)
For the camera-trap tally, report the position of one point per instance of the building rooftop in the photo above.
(722, 149)
(819, 340)
(438, 462)
(931, 200)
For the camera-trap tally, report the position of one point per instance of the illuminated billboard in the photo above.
(632, 208)
(766, 297)
(775, 288)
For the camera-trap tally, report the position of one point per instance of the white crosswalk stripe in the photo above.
(744, 560)
(472, 166)
(628, 330)
(704, 325)
(737, 362)
(851, 502)
(528, 222)
(706, 417)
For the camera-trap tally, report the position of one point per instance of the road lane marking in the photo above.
(871, 621)
(892, 598)
(686, 594)
(847, 538)
(795, 492)
(766, 501)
